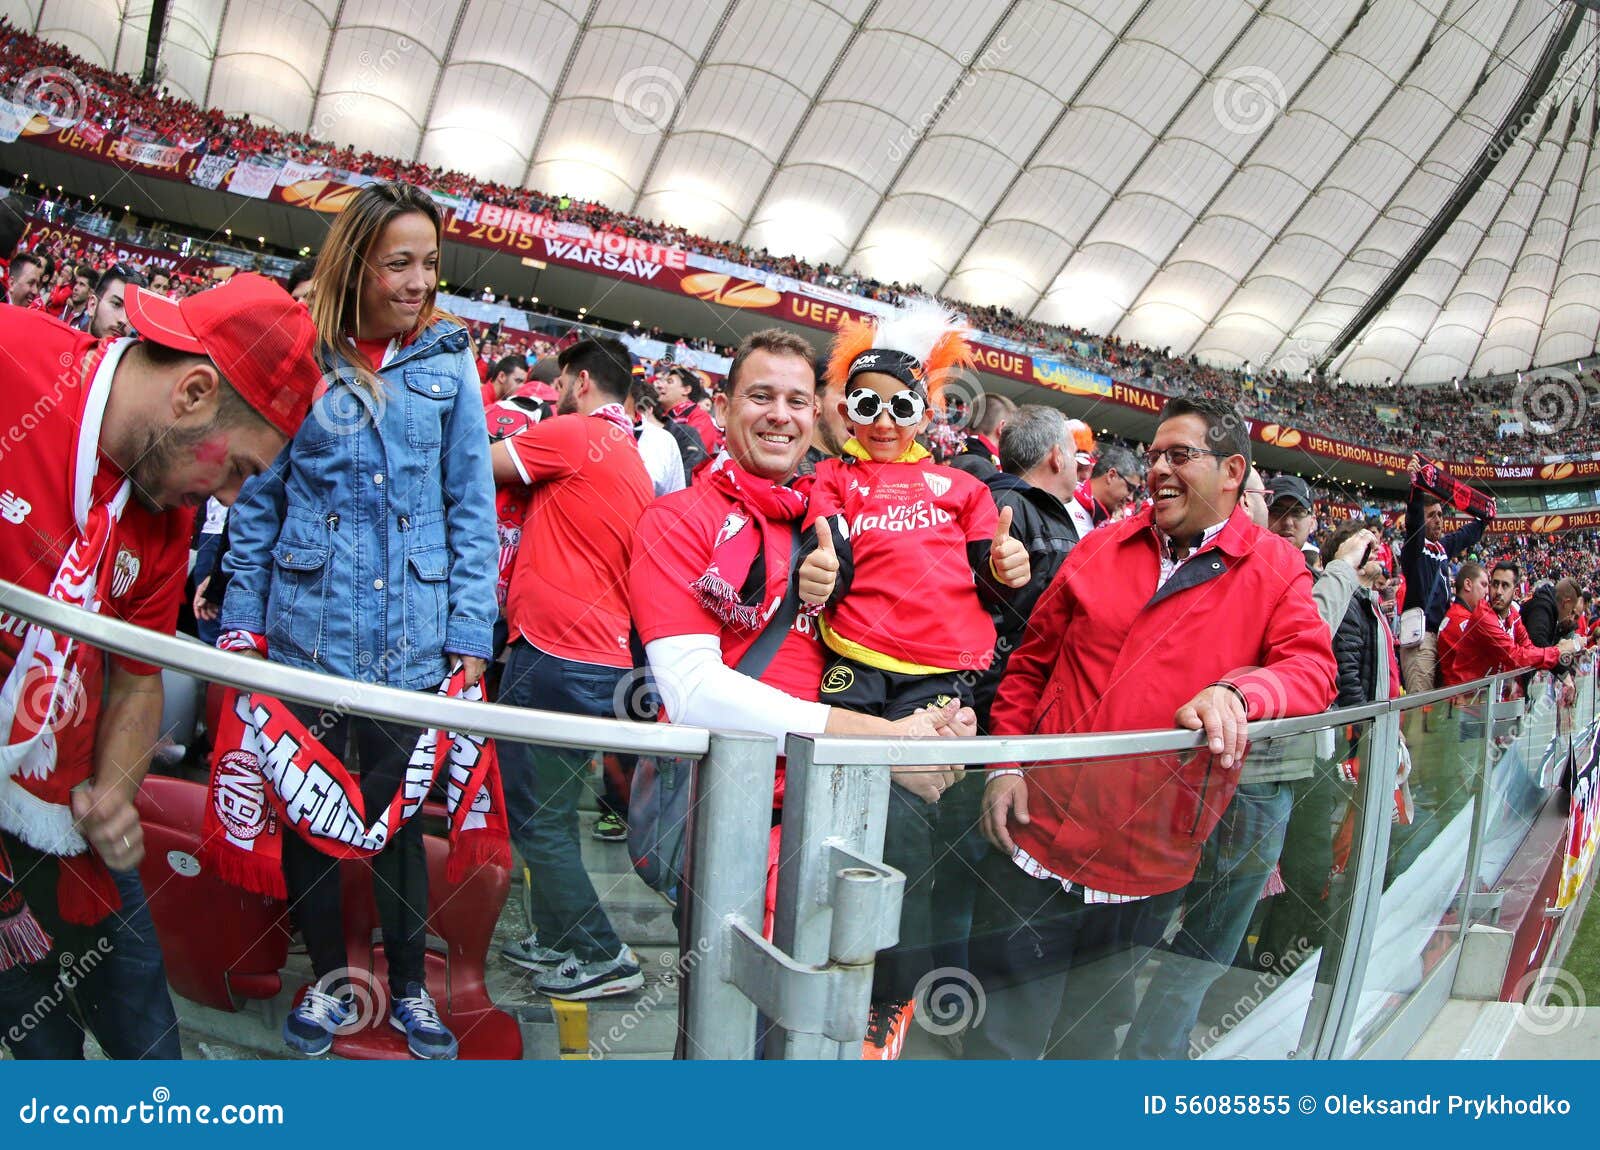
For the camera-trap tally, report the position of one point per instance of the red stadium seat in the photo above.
(223, 946)
(463, 916)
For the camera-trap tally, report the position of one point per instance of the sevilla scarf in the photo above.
(1435, 480)
(1097, 510)
(268, 771)
(758, 522)
(43, 693)
(617, 414)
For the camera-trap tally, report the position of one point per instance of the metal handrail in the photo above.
(414, 708)
(583, 732)
(843, 750)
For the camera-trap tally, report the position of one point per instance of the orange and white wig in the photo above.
(923, 345)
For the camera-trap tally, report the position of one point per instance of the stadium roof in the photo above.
(1230, 178)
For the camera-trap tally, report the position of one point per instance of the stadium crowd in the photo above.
(1501, 423)
(810, 544)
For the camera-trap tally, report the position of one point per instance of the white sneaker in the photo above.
(574, 981)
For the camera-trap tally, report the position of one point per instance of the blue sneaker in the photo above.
(417, 1017)
(310, 1026)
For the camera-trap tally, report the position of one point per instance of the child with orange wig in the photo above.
(918, 545)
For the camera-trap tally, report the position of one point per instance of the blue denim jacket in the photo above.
(369, 550)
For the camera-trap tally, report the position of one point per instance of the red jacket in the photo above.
(1473, 644)
(1104, 651)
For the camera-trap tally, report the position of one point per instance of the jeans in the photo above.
(114, 984)
(399, 871)
(1055, 972)
(542, 786)
(1234, 867)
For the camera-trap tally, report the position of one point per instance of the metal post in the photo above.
(1493, 709)
(823, 807)
(729, 824)
(1333, 1001)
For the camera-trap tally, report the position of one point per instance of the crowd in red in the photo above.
(1556, 424)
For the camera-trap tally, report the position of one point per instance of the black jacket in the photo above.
(1356, 649)
(1542, 620)
(1539, 616)
(1041, 522)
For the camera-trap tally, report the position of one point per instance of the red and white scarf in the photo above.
(759, 522)
(44, 692)
(268, 771)
(617, 414)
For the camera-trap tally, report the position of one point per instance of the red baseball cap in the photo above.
(262, 341)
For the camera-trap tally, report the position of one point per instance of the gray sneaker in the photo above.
(574, 981)
(527, 953)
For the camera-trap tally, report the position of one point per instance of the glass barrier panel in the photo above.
(1418, 923)
(1527, 759)
(246, 914)
(1153, 906)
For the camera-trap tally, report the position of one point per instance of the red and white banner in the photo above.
(254, 179)
(145, 155)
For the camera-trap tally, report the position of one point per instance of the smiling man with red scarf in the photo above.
(715, 586)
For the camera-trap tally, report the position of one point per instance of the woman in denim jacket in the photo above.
(369, 552)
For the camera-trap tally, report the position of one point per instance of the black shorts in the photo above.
(889, 694)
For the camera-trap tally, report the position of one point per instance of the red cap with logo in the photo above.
(261, 340)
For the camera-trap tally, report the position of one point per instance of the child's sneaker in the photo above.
(417, 1017)
(309, 1028)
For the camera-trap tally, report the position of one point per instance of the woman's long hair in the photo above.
(343, 264)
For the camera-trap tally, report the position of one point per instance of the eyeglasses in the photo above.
(1258, 492)
(863, 405)
(1178, 456)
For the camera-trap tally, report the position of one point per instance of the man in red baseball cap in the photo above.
(106, 448)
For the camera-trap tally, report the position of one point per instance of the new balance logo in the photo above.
(13, 508)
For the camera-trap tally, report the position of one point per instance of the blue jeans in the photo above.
(542, 786)
(1234, 867)
(114, 984)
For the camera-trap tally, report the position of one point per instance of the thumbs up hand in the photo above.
(820, 570)
(1008, 558)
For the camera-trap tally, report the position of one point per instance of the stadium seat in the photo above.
(221, 945)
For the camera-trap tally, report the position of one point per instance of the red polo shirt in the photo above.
(676, 539)
(48, 412)
(588, 486)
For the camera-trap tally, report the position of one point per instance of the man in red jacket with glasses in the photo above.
(1187, 615)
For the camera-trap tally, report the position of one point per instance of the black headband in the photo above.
(906, 368)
